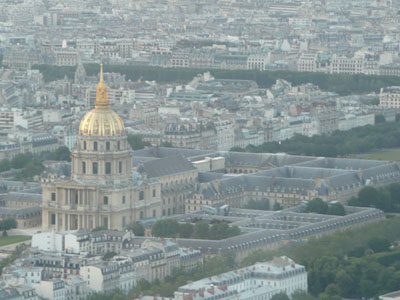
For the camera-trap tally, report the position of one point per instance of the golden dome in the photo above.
(101, 120)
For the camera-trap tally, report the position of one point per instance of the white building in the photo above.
(48, 241)
(225, 135)
(54, 289)
(351, 121)
(259, 281)
(390, 97)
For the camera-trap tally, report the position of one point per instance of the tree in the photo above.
(317, 205)
(136, 142)
(280, 296)
(5, 165)
(185, 230)
(277, 206)
(62, 153)
(336, 209)
(99, 228)
(165, 228)
(7, 224)
(201, 230)
(21, 160)
(138, 229)
(379, 244)
(262, 204)
(379, 119)
(109, 255)
(344, 282)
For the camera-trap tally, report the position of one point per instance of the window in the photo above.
(53, 196)
(53, 219)
(84, 145)
(95, 146)
(105, 222)
(105, 200)
(108, 168)
(119, 145)
(154, 193)
(95, 168)
(123, 221)
(83, 167)
(108, 146)
(154, 213)
(141, 215)
(120, 167)
(123, 199)
(141, 195)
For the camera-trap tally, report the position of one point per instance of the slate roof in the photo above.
(166, 166)
(26, 197)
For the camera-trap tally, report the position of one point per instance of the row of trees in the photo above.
(386, 198)
(31, 165)
(342, 84)
(339, 143)
(200, 230)
(319, 206)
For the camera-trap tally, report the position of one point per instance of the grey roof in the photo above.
(342, 163)
(26, 197)
(166, 166)
(20, 213)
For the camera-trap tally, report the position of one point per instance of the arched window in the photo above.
(108, 146)
(95, 146)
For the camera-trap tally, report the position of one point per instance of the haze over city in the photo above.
(199, 149)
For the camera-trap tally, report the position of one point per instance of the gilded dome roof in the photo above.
(102, 120)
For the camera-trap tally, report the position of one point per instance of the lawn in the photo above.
(7, 240)
(384, 155)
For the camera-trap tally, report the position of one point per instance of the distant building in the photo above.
(390, 97)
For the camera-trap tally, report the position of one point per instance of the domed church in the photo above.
(102, 190)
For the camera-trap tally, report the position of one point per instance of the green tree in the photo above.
(138, 229)
(21, 160)
(99, 228)
(109, 255)
(336, 209)
(185, 230)
(277, 206)
(165, 228)
(201, 230)
(317, 205)
(62, 153)
(136, 142)
(280, 296)
(7, 224)
(379, 119)
(262, 204)
(379, 244)
(344, 282)
(5, 165)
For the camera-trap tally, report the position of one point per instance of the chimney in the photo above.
(318, 182)
(201, 293)
(360, 175)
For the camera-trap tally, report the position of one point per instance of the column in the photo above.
(66, 222)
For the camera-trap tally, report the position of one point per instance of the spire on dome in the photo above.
(101, 92)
